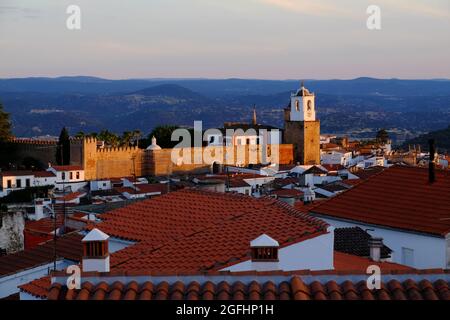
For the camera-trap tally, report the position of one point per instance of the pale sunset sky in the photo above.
(266, 39)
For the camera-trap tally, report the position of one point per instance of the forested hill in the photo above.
(441, 138)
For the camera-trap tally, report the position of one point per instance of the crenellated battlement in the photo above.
(90, 139)
(117, 149)
(33, 141)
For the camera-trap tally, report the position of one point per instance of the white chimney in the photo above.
(375, 245)
(95, 251)
(264, 252)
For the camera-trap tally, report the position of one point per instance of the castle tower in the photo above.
(301, 127)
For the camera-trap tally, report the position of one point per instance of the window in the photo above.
(297, 105)
(211, 139)
(63, 176)
(9, 184)
(265, 254)
(71, 175)
(19, 183)
(248, 141)
(27, 183)
(309, 105)
(78, 175)
(238, 141)
(408, 257)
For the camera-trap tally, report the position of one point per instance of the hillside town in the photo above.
(309, 220)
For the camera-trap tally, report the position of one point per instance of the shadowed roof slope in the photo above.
(67, 246)
(398, 197)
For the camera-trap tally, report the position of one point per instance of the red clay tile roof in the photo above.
(67, 168)
(330, 146)
(286, 167)
(399, 197)
(367, 173)
(286, 181)
(68, 246)
(290, 288)
(44, 174)
(39, 288)
(283, 193)
(315, 170)
(71, 196)
(238, 183)
(333, 167)
(45, 225)
(15, 173)
(344, 262)
(143, 188)
(351, 182)
(307, 207)
(219, 226)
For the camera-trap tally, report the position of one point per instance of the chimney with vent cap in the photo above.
(264, 253)
(95, 251)
(375, 245)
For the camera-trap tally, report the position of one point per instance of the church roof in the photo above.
(303, 92)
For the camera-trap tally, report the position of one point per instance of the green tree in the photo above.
(110, 138)
(163, 135)
(80, 134)
(63, 148)
(137, 136)
(126, 138)
(5, 125)
(382, 136)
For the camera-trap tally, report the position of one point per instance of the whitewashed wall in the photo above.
(429, 251)
(313, 254)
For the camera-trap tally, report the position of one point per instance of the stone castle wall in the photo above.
(42, 150)
(100, 163)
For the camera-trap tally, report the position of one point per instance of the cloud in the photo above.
(436, 9)
(18, 10)
(430, 8)
(307, 7)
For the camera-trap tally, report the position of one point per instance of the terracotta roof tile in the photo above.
(398, 197)
(67, 168)
(219, 226)
(39, 288)
(44, 174)
(68, 246)
(295, 289)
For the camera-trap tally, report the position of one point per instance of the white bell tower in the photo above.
(302, 105)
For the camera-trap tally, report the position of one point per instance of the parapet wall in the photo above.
(202, 159)
(42, 150)
(101, 163)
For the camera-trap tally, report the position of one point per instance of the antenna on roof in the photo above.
(431, 164)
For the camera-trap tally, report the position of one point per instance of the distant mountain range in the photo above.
(357, 107)
(441, 139)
